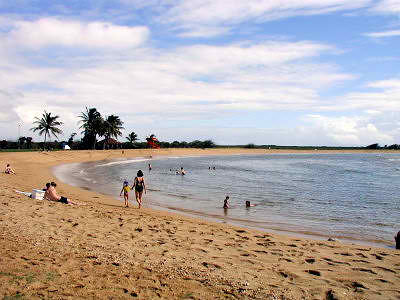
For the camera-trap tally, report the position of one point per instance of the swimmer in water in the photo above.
(249, 205)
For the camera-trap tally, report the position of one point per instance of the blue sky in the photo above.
(268, 72)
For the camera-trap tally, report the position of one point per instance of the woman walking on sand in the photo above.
(139, 186)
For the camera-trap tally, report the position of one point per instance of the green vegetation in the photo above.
(94, 125)
(48, 125)
(50, 276)
(29, 278)
(14, 297)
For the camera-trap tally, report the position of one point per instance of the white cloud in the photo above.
(194, 31)
(48, 32)
(192, 82)
(350, 131)
(391, 84)
(191, 15)
(387, 7)
(383, 34)
(384, 99)
(373, 112)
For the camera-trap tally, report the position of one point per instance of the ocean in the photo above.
(349, 197)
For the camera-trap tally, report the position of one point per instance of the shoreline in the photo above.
(102, 250)
(281, 228)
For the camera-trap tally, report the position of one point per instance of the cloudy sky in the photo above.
(286, 72)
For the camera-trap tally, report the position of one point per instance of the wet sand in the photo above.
(103, 250)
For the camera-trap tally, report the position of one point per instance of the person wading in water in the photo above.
(139, 186)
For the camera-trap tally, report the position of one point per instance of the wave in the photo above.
(123, 162)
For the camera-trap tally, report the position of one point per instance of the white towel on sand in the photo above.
(24, 193)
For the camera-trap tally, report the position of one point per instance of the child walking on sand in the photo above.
(125, 189)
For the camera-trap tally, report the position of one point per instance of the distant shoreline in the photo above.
(235, 148)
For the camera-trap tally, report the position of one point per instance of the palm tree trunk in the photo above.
(44, 146)
(94, 143)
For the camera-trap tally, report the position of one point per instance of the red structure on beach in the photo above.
(152, 142)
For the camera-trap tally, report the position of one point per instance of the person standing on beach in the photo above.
(139, 186)
(149, 167)
(125, 189)
(397, 239)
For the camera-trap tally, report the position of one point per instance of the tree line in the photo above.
(93, 126)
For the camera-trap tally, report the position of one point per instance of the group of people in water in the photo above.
(226, 203)
(179, 172)
(138, 185)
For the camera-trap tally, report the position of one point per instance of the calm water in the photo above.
(348, 196)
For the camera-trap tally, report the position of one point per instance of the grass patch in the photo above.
(14, 297)
(29, 278)
(50, 276)
(187, 296)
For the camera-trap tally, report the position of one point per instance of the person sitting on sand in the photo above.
(51, 194)
(138, 184)
(46, 187)
(226, 203)
(397, 239)
(126, 189)
(9, 170)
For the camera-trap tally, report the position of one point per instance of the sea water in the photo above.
(350, 197)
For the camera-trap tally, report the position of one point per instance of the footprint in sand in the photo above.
(386, 269)
(356, 285)
(360, 261)
(362, 255)
(313, 272)
(365, 270)
(345, 254)
(335, 261)
(286, 274)
(208, 265)
(384, 281)
(378, 257)
(261, 251)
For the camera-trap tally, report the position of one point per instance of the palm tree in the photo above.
(21, 141)
(48, 125)
(132, 137)
(112, 128)
(92, 123)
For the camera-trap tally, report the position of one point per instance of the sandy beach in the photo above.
(104, 250)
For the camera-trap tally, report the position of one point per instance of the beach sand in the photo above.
(103, 250)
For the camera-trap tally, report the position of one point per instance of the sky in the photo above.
(282, 72)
